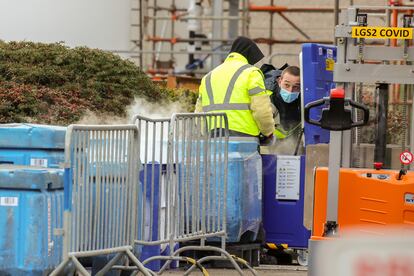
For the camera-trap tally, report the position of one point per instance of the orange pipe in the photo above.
(394, 18)
(394, 23)
(256, 8)
(292, 41)
(157, 71)
(174, 40)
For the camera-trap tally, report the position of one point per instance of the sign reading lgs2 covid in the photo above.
(382, 32)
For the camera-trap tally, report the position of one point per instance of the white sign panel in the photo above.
(287, 177)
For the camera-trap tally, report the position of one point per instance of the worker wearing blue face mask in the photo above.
(285, 84)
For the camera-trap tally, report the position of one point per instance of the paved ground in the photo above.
(276, 270)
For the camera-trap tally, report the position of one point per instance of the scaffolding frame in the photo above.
(150, 40)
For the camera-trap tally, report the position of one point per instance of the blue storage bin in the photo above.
(244, 190)
(147, 251)
(155, 172)
(283, 219)
(317, 77)
(32, 145)
(31, 207)
(32, 157)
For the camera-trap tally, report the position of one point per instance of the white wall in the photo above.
(103, 24)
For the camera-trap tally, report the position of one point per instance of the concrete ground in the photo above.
(275, 270)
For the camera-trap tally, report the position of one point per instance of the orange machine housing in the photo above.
(367, 198)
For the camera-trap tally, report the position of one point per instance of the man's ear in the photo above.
(279, 80)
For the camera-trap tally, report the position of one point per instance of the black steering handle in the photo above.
(335, 116)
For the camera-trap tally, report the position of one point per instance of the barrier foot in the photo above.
(59, 269)
(224, 256)
(140, 266)
(121, 252)
(110, 264)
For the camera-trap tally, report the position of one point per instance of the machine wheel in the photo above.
(303, 256)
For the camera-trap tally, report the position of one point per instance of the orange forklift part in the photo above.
(367, 198)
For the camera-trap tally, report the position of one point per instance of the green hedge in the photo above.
(51, 83)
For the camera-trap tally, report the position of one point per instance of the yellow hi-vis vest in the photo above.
(229, 88)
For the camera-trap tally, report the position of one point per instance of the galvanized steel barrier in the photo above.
(101, 195)
(184, 185)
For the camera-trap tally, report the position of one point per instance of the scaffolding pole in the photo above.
(238, 11)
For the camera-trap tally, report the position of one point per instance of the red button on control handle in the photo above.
(337, 93)
(378, 165)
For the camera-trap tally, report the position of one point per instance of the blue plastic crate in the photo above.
(32, 136)
(317, 71)
(31, 207)
(32, 145)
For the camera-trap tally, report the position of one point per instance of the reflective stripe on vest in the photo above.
(229, 106)
(209, 89)
(255, 91)
(226, 105)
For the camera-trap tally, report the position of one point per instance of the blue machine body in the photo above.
(31, 207)
(30, 144)
(283, 219)
(317, 71)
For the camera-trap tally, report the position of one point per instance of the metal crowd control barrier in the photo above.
(185, 169)
(101, 195)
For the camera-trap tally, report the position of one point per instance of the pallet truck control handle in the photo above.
(335, 116)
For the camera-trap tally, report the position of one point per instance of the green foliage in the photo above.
(185, 97)
(29, 103)
(50, 83)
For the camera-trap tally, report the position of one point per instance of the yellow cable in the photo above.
(199, 266)
(243, 261)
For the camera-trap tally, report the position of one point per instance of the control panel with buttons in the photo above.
(379, 176)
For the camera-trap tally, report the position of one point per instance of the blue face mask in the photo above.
(287, 96)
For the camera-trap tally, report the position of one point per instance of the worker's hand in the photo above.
(268, 141)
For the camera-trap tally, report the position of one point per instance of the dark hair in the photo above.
(293, 70)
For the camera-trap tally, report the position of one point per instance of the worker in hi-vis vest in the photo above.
(237, 88)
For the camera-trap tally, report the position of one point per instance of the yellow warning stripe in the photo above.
(277, 246)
